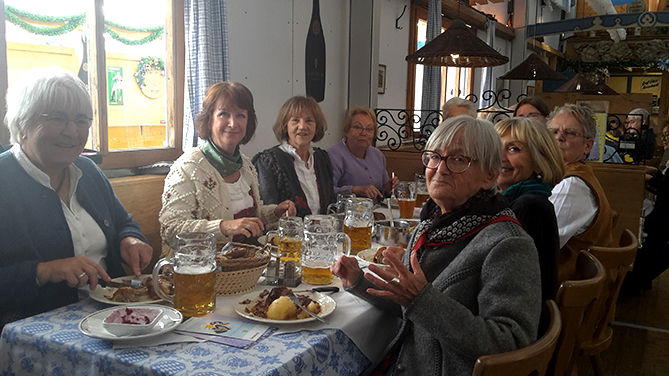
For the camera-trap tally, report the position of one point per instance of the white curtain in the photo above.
(207, 59)
(487, 79)
(431, 97)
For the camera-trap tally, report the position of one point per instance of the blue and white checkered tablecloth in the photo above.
(51, 344)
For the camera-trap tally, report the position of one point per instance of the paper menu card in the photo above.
(227, 330)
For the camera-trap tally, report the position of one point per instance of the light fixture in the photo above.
(533, 68)
(457, 47)
(578, 84)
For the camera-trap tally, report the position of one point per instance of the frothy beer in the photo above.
(194, 293)
(292, 247)
(361, 238)
(317, 273)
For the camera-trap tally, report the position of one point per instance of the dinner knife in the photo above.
(320, 289)
(103, 283)
(296, 300)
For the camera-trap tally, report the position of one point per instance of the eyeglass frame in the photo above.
(359, 129)
(446, 158)
(54, 123)
(567, 133)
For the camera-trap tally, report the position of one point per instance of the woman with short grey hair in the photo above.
(458, 106)
(469, 283)
(62, 227)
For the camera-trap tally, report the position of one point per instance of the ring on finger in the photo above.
(395, 281)
(80, 276)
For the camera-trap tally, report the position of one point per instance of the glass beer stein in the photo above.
(338, 209)
(290, 239)
(321, 249)
(421, 189)
(358, 223)
(194, 265)
(406, 198)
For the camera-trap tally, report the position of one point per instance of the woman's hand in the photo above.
(248, 226)
(368, 191)
(398, 283)
(288, 206)
(391, 184)
(347, 269)
(75, 271)
(136, 254)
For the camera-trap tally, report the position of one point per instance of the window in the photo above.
(454, 81)
(125, 51)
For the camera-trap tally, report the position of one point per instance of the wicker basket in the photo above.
(240, 275)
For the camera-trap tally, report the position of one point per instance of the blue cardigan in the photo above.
(33, 229)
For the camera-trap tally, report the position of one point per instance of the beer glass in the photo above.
(406, 198)
(320, 248)
(421, 189)
(338, 209)
(358, 222)
(194, 265)
(290, 239)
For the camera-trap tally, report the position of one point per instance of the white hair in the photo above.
(480, 140)
(459, 102)
(40, 90)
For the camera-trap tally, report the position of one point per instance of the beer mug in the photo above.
(421, 189)
(290, 239)
(338, 209)
(358, 223)
(320, 248)
(194, 265)
(406, 198)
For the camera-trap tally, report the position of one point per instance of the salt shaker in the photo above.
(291, 277)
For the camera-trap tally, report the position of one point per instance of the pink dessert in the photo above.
(137, 316)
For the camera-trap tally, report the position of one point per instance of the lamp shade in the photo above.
(578, 84)
(606, 89)
(533, 68)
(457, 47)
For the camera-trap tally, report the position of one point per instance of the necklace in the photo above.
(62, 181)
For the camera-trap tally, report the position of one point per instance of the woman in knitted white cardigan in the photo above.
(214, 188)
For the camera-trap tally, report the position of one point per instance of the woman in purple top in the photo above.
(358, 167)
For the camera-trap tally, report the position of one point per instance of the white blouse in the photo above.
(575, 207)
(240, 194)
(306, 175)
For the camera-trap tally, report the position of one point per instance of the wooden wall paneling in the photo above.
(403, 163)
(141, 197)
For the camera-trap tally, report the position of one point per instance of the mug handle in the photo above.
(332, 208)
(156, 274)
(346, 243)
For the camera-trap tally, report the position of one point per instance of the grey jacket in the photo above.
(483, 297)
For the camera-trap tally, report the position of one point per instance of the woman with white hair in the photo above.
(583, 212)
(458, 106)
(469, 284)
(62, 226)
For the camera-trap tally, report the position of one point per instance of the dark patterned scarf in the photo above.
(482, 209)
(535, 186)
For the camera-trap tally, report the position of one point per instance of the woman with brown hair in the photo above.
(214, 188)
(294, 170)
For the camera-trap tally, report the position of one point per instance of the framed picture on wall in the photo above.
(382, 79)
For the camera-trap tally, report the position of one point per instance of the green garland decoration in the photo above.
(72, 22)
(145, 65)
(581, 66)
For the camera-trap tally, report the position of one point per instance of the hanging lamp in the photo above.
(457, 46)
(533, 68)
(578, 84)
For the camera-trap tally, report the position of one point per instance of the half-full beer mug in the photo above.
(320, 248)
(194, 265)
(358, 223)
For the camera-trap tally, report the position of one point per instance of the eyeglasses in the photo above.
(359, 129)
(456, 164)
(61, 121)
(567, 133)
(534, 115)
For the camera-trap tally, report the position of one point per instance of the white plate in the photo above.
(91, 325)
(364, 258)
(100, 292)
(328, 306)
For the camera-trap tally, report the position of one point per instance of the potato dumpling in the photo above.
(313, 307)
(281, 309)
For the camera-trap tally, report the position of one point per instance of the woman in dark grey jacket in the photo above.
(469, 283)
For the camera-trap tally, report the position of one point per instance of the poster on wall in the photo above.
(115, 86)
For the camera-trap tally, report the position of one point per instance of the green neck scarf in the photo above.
(223, 163)
(527, 186)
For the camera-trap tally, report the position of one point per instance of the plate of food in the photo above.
(149, 320)
(274, 307)
(374, 256)
(124, 293)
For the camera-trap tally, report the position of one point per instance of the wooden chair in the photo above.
(530, 360)
(617, 262)
(577, 298)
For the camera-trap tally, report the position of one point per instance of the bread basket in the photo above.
(239, 275)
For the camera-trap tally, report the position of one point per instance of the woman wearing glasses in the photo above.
(357, 166)
(532, 107)
(470, 284)
(62, 227)
(583, 213)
